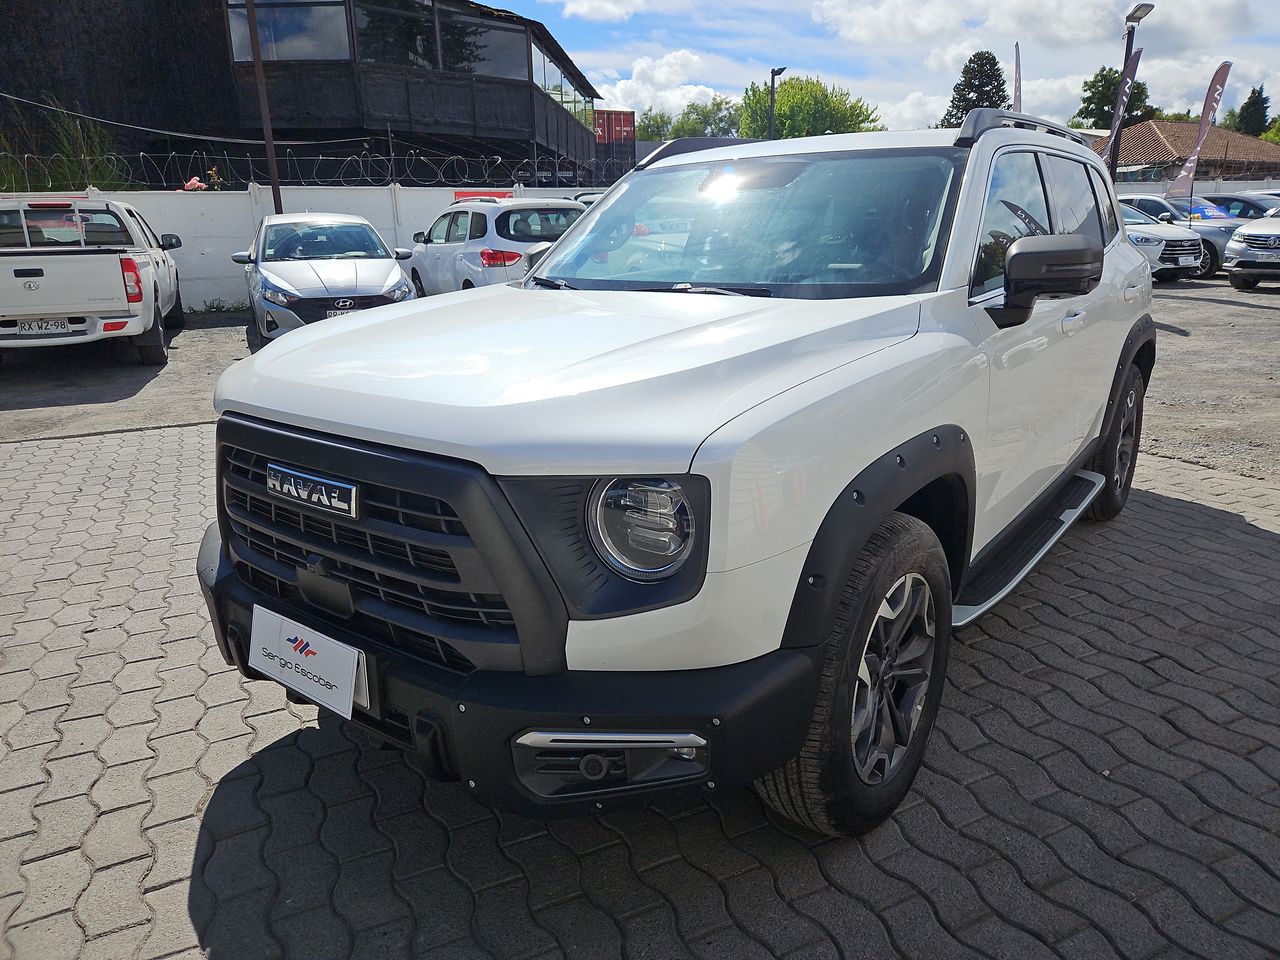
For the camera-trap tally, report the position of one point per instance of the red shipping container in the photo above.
(615, 126)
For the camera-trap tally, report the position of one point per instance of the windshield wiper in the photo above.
(736, 291)
(552, 283)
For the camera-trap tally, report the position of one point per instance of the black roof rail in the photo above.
(979, 121)
(478, 200)
(673, 148)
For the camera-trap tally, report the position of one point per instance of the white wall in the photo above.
(214, 225)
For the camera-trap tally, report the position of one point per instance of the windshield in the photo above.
(533, 225)
(1197, 208)
(817, 226)
(1132, 215)
(322, 241)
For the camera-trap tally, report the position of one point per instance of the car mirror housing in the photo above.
(1056, 266)
(170, 241)
(244, 256)
(1165, 217)
(420, 237)
(403, 254)
(536, 252)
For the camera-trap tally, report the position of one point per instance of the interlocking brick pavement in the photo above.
(1102, 782)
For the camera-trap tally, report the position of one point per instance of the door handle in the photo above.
(1074, 322)
(1131, 293)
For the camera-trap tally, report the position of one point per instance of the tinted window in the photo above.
(531, 226)
(1015, 208)
(473, 45)
(1150, 206)
(1074, 203)
(323, 241)
(479, 226)
(401, 32)
(1109, 224)
(292, 30)
(440, 229)
(457, 228)
(61, 227)
(145, 230)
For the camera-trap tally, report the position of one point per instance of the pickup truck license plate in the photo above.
(1269, 257)
(40, 328)
(330, 314)
(320, 668)
(1188, 261)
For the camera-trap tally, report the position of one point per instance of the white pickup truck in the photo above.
(75, 269)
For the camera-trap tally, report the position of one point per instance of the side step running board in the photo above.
(1017, 560)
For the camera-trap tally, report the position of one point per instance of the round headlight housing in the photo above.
(642, 527)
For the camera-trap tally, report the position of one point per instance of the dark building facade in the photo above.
(438, 78)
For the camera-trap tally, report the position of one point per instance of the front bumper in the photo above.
(1244, 261)
(753, 716)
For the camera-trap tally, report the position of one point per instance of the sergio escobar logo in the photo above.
(297, 667)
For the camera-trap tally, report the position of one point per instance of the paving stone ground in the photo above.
(1103, 780)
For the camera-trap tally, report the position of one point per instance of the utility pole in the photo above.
(263, 107)
(773, 94)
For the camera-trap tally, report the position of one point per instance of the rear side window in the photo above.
(1110, 227)
(479, 226)
(535, 224)
(1015, 208)
(1073, 200)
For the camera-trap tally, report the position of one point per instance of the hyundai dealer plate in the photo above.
(40, 328)
(320, 668)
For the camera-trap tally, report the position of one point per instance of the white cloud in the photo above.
(915, 111)
(897, 21)
(952, 57)
(662, 83)
(613, 10)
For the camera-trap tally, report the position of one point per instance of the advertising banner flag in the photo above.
(1017, 79)
(1122, 101)
(1181, 186)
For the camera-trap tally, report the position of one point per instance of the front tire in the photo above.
(176, 318)
(1242, 283)
(418, 289)
(1117, 458)
(153, 349)
(253, 335)
(1209, 262)
(882, 678)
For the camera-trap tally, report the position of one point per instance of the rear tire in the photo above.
(1118, 455)
(882, 679)
(153, 349)
(1209, 262)
(1242, 283)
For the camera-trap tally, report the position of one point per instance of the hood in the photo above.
(359, 276)
(1228, 225)
(1262, 227)
(1161, 231)
(554, 382)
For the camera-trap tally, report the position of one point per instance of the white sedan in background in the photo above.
(482, 241)
(1174, 252)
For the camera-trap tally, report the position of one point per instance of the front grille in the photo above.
(311, 309)
(396, 560)
(1174, 249)
(1260, 243)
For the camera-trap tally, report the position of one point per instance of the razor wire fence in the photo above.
(224, 170)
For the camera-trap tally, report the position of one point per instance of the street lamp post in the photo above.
(1135, 17)
(773, 94)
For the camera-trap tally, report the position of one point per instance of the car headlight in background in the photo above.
(276, 295)
(1238, 237)
(642, 528)
(1144, 241)
(400, 291)
(1227, 229)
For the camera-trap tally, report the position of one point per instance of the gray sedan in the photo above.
(313, 266)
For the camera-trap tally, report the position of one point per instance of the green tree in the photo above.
(1273, 132)
(718, 118)
(1183, 117)
(653, 125)
(1253, 112)
(1099, 101)
(981, 84)
(1230, 122)
(806, 107)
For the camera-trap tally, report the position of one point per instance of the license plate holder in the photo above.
(330, 314)
(326, 671)
(1269, 257)
(1188, 261)
(43, 328)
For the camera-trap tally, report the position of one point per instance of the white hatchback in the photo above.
(482, 241)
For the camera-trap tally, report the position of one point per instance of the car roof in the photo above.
(313, 218)
(515, 203)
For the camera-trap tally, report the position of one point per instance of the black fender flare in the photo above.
(1142, 333)
(886, 483)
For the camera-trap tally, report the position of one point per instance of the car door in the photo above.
(434, 247)
(451, 267)
(166, 267)
(156, 258)
(1035, 400)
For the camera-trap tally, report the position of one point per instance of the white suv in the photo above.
(482, 241)
(699, 503)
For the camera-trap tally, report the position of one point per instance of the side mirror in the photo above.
(170, 241)
(1165, 217)
(403, 254)
(244, 256)
(420, 237)
(1054, 266)
(536, 252)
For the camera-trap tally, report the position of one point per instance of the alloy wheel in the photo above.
(893, 679)
(1127, 440)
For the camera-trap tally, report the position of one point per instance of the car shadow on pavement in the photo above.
(102, 371)
(1099, 775)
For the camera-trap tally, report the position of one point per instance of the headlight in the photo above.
(1144, 241)
(1238, 237)
(400, 291)
(642, 528)
(276, 295)
(1226, 229)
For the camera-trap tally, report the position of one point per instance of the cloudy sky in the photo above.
(905, 55)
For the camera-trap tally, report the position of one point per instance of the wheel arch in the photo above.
(930, 477)
(1140, 350)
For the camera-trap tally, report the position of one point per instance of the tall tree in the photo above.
(1253, 118)
(1273, 132)
(1230, 122)
(1098, 104)
(653, 125)
(981, 84)
(718, 118)
(806, 107)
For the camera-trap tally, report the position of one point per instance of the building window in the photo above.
(548, 75)
(400, 32)
(485, 47)
(292, 30)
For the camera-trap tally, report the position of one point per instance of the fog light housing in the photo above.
(555, 764)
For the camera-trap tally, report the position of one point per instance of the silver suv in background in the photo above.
(482, 241)
(1197, 214)
(1174, 252)
(305, 267)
